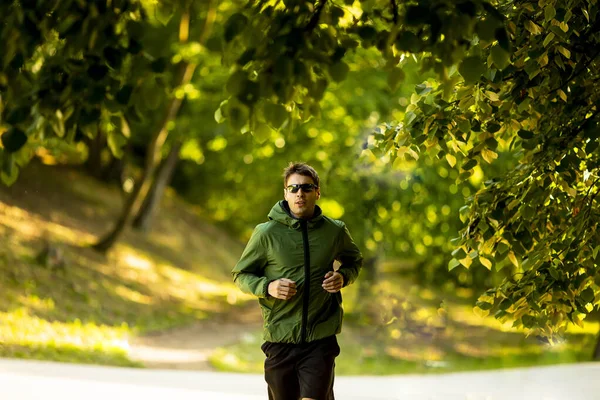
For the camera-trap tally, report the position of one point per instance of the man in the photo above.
(288, 265)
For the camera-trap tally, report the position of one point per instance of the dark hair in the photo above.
(300, 168)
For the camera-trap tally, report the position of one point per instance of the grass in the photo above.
(90, 309)
(412, 333)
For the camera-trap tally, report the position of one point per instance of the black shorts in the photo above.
(294, 371)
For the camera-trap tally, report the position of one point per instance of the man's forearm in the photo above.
(252, 284)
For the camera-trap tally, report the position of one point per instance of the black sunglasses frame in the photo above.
(306, 187)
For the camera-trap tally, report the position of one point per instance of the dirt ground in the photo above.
(189, 348)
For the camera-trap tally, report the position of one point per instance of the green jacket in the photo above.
(282, 248)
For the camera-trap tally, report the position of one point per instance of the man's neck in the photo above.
(305, 218)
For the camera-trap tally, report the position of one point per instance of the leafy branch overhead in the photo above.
(518, 78)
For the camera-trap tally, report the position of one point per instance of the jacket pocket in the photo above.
(266, 310)
(276, 307)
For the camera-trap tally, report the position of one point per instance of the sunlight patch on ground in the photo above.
(35, 303)
(20, 328)
(169, 281)
(133, 295)
(30, 226)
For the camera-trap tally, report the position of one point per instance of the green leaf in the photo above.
(528, 321)
(113, 57)
(249, 93)
(18, 115)
(491, 143)
(591, 129)
(549, 13)
(591, 146)
(276, 114)
(409, 42)
(124, 94)
(548, 39)
(417, 15)
(459, 253)
(237, 115)
(500, 57)
(486, 29)
(159, 65)
(367, 32)
(234, 26)
(13, 140)
(395, 77)
(596, 251)
(339, 71)
(502, 37)
(505, 304)
(471, 69)
(588, 295)
(464, 125)
(493, 127)
(523, 134)
(97, 72)
(215, 44)
(246, 57)
(453, 264)
(221, 112)
(422, 89)
(484, 305)
(236, 82)
(116, 141)
(469, 164)
(532, 68)
(10, 172)
(163, 12)
(486, 262)
(262, 133)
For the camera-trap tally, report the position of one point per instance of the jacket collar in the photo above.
(281, 213)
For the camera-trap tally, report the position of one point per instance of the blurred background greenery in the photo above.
(155, 147)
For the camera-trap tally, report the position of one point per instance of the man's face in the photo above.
(302, 204)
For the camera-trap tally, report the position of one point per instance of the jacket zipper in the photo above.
(306, 299)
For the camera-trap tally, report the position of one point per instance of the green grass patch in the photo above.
(92, 306)
(413, 332)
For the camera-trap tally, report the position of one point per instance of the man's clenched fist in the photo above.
(282, 289)
(333, 282)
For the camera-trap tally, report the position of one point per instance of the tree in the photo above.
(63, 75)
(509, 75)
(184, 76)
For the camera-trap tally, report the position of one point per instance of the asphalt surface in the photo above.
(29, 380)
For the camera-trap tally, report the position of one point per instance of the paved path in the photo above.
(32, 380)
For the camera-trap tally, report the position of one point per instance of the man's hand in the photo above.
(282, 289)
(333, 282)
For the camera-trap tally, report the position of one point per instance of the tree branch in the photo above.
(314, 20)
(395, 11)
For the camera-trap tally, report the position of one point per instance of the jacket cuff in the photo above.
(266, 288)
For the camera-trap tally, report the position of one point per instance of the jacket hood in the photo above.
(282, 214)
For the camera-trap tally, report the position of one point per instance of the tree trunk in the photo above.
(113, 171)
(142, 186)
(596, 356)
(163, 177)
(93, 164)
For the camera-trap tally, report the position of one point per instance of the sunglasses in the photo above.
(306, 187)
